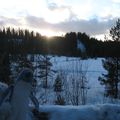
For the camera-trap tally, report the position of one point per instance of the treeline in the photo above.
(25, 41)
(99, 48)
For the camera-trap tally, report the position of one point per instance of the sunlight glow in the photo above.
(51, 17)
(50, 33)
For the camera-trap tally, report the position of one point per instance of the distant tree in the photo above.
(18, 62)
(111, 79)
(76, 87)
(71, 43)
(45, 69)
(58, 84)
(60, 100)
(58, 88)
(43, 74)
(5, 71)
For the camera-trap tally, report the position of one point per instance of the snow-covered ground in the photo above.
(92, 68)
(72, 67)
(3, 87)
(87, 112)
(82, 112)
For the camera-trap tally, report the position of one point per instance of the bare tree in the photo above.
(43, 74)
(76, 85)
(58, 89)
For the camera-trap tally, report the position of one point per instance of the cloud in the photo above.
(1, 23)
(4, 21)
(116, 1)
(36, 22)
(62, 8)
(54, 6)
(91, 27)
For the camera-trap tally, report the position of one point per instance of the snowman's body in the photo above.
(20, 101)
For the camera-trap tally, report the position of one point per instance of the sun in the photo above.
(50, 33)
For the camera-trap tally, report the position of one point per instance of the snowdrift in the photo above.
(87, 112)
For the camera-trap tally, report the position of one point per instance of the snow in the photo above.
(81, 46)
(72, 66)
(82, 112)
(3, 87)
(87, 112)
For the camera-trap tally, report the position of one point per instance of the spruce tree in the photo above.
(111, 79)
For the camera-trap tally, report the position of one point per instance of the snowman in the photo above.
(15, 105)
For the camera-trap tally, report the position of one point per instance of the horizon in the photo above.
(58, 17)
(44, 35)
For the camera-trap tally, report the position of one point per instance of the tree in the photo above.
(111, 79)
(43, 73)
(76, 85)
(18, 62)
(71, 43)
(45, 69)
(58, 84)
(115, 31)
(5, 71)
(58, 88)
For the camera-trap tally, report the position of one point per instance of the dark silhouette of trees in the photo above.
(18, 41)
(71, 43)
(5, 68)
(111, 79)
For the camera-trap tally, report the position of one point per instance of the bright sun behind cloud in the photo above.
(50, 33)
(57, 17)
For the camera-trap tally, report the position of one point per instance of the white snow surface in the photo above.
(71, 67)
(93, 68)
(81, 46)
(87, 112)
(3, 87)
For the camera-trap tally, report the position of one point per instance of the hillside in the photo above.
(70, 69)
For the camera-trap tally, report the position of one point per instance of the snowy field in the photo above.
(96, 106)
(91, 67)
(72, 67)
(87, 112)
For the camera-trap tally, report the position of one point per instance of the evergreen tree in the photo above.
(58, 84)
(58, 88)
(45, 71)
(111, 80)
(5, 71)
(18, 62)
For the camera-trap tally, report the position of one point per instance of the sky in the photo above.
(57, 17)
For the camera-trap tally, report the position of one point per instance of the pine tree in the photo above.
(5, 71)
(58, 88)
(58, 84)
(111, 79)
(19, 62)
(45, 69)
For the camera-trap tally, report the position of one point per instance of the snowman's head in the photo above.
(26, 75)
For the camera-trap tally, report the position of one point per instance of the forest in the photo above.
(19, 41)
